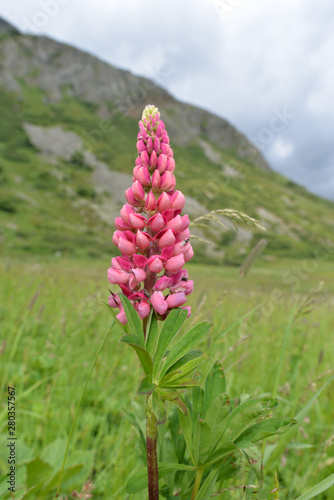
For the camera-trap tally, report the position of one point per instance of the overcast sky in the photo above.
(246, 60)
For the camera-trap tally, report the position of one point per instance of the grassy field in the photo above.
(53, 322)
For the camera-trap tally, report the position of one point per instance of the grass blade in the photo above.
(319, 488)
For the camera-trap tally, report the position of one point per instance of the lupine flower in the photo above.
(151, 234)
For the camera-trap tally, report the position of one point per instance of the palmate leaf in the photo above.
(138, 481)
(215, 384)
(188, 363)
(172, 325)
(143, 356)
(185, 344)
(246, 414)
(254, 458)
(216, 416)
(152, 333)
(201, 441)
(266, 428)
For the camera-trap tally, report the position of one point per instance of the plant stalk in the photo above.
(198, 479)
(151, 450)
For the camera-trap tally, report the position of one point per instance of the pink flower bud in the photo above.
(143, 176)
(117, 276)
(170, 165)
(138, 191)
(166, 239)
(156, 145)
(172, 183)
(153, 159)
(185, 222)
(166, 150)
(176, 300)
(155, 264)
(174, 264)
(137, 276)
(141, 146)
(162, 163)
(188, 308)
(138, 221)
(145, 159)
(115, 238)
(167, 252)
(181, 247)
(143, 309)
(142, 240)
(114, 300)
(157, 222)
(175, 224)
(158, 302)
(159, 132)
(164, 202)
(156, 179)
(130, 197)
(182, 236)
(150, 202)
(166, 181)
(162, 284)
(121, 225)
(121, 263)
(126, 210)
(121, 316)
(165, 138)
(138, 162)
(178, 200)
(189, 255)
(149, 145)
(183, 286)
(126, 247)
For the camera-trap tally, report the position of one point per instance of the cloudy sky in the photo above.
(249, 61)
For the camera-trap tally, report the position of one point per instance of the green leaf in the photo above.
(186, 343)
(178, 440)
(138, 481)
(183, 362)
(201, 441)
(266, 428)
(146, 386)
(222, 452)
(253, 457)
(143, 356)
(159, 409)
(132, 317)
(152, 333)
(245, 414)
(319, 488)
(208, 486)
(217, 414)
(215, 384)
(172, 325)
(38, 472)
(186, 425)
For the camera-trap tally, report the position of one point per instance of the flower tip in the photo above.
(150, 110)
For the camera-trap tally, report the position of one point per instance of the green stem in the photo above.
(151, 450)
(198, 479)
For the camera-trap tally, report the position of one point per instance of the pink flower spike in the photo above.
(157, 222)
(126, 247)
(178, 200)
(162, 163)
(121, 316)
(138, 221)
(162, 284)
(117, 276)
(176, 300)
(150, 203)
(164, 202)
(145, 159)
(141, 146)
(155, 264)
(167, 239)
(138, 191)
(170, 165)
(174, 264)
(175, 224)
(158, 302)
(142, 240)
(153, 159)
(143, 309)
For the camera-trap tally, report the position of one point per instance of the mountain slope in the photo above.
(67, 148)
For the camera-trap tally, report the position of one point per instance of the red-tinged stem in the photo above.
(151, 450)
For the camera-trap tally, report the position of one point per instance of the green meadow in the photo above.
(272, 332)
